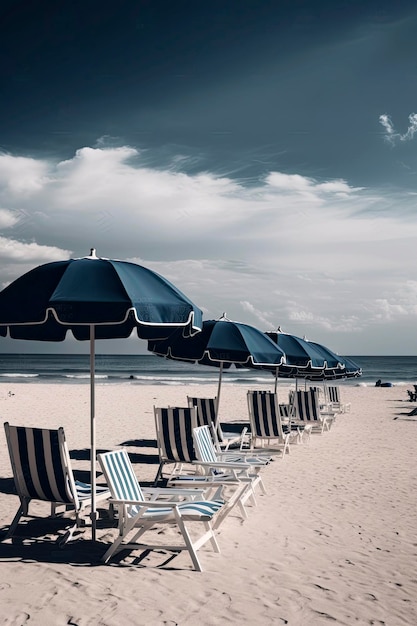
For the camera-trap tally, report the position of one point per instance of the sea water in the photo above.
(151, 369)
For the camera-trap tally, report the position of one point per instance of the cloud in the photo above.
(314, 256)
(391, 136)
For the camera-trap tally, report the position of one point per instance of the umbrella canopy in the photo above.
(95, 298)
(311, 360)
(300, 353)
(222, 343)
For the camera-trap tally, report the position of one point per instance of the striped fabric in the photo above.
(37, 466)
(308, 410)
(206, 410)
(333, 393)
(264, 415)
(265, 420)
(307, 406)
(204, 446)
(174, 427)
(206, 416)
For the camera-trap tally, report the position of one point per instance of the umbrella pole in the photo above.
(218, 393)
(93, 434)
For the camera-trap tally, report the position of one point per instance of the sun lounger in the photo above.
(42, 471)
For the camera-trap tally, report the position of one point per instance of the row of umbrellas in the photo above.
(98, 298)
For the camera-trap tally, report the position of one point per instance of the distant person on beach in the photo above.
(380, 384)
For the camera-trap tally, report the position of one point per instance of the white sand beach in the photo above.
(333, 541)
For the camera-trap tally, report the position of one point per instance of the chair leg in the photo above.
(22, 510)
(158, 474)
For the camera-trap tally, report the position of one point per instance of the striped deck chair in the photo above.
(174, 435)
(307, 410)
(241, 467)
(42, 471)
(174, 427)
(333, 395)
(265, 422)
(287, 413)
(138, 513)
(206, 416)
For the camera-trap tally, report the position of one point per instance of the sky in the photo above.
(261, 155)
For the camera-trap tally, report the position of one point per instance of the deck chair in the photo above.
(241, 467)
(334, 398)
(174, 435)
(287, 413)
(265, 422)
(206, 416)
(307, 410)
(138, 513)
(42, 471)
(174, 427)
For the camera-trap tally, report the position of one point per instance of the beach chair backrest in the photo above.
(307, 406)
(203, 444)
(206, 410)
(120, 476)
(206, 416)
(264, 414)
(333, 393)
(174, 431)
(41, 464)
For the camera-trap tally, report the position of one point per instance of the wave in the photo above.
(16, 375)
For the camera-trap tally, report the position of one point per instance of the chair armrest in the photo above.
(147, 504)
(172, 491)
(229, 465)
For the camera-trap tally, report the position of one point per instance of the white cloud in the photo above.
(391, 136)
(313, 256)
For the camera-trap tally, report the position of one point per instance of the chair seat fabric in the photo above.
(198, 511)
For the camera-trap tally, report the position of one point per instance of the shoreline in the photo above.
(333, 539)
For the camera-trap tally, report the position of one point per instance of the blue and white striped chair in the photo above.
(307, 410)
(139, 512)
(174, 435)
(334, 398)
(265, 422)
(174, 426)
(206, 416)
(241, 467)
(42, 471)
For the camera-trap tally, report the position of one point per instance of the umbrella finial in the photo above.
(279, 329)
(224, 318)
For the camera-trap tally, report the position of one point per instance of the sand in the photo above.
(333, 541)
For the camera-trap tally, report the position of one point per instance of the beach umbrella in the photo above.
(221, 343)
(310, 360)
(95, 298)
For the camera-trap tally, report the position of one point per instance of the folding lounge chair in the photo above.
(42, 471)
(265, 422)
(174, 435)
(307, 410)
(287, 413)
(138, 514)
(241, 468)
(174, 426)
(333, 394)
(206, 416)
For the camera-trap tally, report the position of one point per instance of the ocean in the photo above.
(151, 369)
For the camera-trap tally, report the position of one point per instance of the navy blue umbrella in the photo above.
(311, 360)
(222, 343)
(95, 298)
